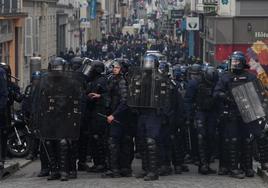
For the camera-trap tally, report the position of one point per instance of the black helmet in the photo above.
(6, 67)
(195, 72)
(210, 74)
(58, 64)
(195, 69)
(76, 63)
(97, 67)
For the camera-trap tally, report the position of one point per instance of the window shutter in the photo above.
(29, 36)
(36, 34)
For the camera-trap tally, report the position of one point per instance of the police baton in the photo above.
(104, 116)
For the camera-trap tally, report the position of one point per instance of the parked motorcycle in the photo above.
(18, 142)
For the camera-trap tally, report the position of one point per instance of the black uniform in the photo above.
(3, 116)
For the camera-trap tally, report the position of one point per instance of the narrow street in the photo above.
(26, 178)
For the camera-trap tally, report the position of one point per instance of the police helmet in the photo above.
(163, 67)
(195, 69)
(58, 64)
(97, 67)
(36, 75)
(149, 62)
(195, 72)
(237, 61)
(210, 74)
(86, 66)
(6, 67)
(76, 63)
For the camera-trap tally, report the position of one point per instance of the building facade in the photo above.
(68, 28)
(11, 36)
(229, 25)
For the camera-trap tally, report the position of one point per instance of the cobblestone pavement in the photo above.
(26, 178)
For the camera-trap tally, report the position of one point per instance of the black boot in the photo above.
(223, 159)
(177, 153)
(33, 149)
(94, 152)
(144, 159)
(203, 166)
(64, 147)
(3, 141)
(233, 157)
(82, 152)
(164, 170)
(72, 159)
(54, 174)
(126, 156)
(263, 150)
(101, 165)
(114, 150)
(44, 162)
(246, 164)
(43, 173)
(153, 160)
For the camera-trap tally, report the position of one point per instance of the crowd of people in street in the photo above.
(138, 98)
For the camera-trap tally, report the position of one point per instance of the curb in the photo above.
(25, 164)
(263, 174)
(13, 168)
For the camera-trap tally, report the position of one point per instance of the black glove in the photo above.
(188, 121)
(222, 95)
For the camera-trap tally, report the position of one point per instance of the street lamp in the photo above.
(249, 27)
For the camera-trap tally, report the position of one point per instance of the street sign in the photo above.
(192, 23)
(175, 14)
(83, 3)
(84, 23)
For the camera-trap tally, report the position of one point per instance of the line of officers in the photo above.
(200, 120)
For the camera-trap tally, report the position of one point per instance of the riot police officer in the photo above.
(27, 111)
(3, 116)
(98, 101)
(236, 132)
(58, 149)
(171, 143)
(13, 94)
(118, 92)
(153, 108)
(199, 93)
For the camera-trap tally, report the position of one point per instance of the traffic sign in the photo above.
(192, 23)
(176, 14)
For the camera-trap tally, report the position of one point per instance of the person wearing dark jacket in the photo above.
(118, 92)
(3, 116)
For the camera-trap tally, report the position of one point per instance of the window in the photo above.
(28, 36)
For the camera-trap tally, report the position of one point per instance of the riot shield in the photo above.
(250, 100)
(147, 89)
(58, 105)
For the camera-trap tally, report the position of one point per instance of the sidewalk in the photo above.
(13, 165)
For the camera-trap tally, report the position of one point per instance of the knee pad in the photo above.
(95, 137)
(200, 136)
(150, 141)
(63, 142)
(234, 139)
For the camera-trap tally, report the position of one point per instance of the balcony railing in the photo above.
(10, 7)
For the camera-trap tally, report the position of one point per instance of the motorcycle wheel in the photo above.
(16, 150)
